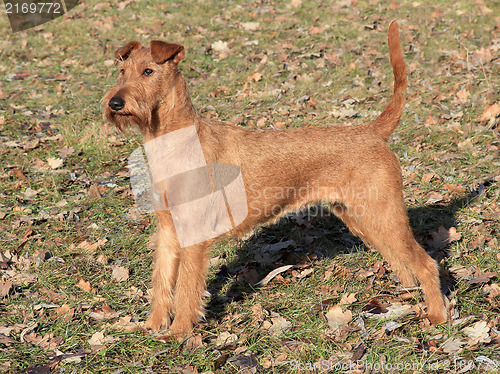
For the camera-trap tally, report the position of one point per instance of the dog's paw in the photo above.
(437, 318)
(180, 329)
(156, 322)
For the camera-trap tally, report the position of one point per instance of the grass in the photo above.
(51, 82)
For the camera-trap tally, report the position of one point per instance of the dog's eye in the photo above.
(147, 72)
(122, 71)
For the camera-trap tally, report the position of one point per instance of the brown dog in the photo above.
(351, 167)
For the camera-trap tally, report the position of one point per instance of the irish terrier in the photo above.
(273, 172)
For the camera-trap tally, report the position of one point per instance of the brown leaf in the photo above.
(219, 362)
(46, 368)
(358, 353)
(394, 5)
(55, 163)
(434, 197)
(250, 26)
(315, 30)
(7, 339)
(453, 346)
(478, 333)
(336, 319)
(443, 237)
(15, 172)
(273, 274)
(375, 306)
(24, 279)
(491, 111)
(94, 192)
(255, 77)
(65, 152)
(5, 286)
(65, 313)
(98, 340)
(119, 273)
(246, 363)
(279, 324)
(492, 290)
(258, 314)
(463, 95)
(126, 324)
(194, 342)
(426, 178)
(84, 285)
(88, 247)
(348, 299)
(482, 277)
(392, 311)
(226, 338)
(29, 145)
(104, 312)
(455, 188)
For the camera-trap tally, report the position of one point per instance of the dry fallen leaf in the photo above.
(194, 342)
(338, 320)
(98, 340)
(443, 237)
(90, 248)
(65, 313)
(5, 286)
(250, 26)
(453, 346)
(246, 363)
(463, 95)
(493, 291)
(29, 145)
(126, 324)
(393, 311)
(84, 285)
(104, 312)
(219, 46)
(222, 48)
(491, 111)
(478, 333)
(272, 274)
(279, 324)
(120, 274)
(258, 314)
(434, 197)
(55, 163)
(348, 299)
(226, 338)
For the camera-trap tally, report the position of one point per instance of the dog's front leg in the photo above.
(165, 270)
(188, 306)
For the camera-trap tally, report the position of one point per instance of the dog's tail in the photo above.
(388, 120)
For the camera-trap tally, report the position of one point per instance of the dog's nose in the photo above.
(116, 103)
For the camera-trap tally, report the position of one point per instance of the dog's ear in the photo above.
(121, 54)
(163, 52)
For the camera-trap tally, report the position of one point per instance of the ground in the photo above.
(75, 258)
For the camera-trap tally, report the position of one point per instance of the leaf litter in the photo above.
(284, 66)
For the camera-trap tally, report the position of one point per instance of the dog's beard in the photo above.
(126, 118)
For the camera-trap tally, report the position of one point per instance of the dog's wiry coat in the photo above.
(352, 167)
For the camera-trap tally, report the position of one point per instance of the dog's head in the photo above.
(146, 82)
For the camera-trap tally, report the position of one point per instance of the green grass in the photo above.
(51, 83)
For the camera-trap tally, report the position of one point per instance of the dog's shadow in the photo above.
(317, 235)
